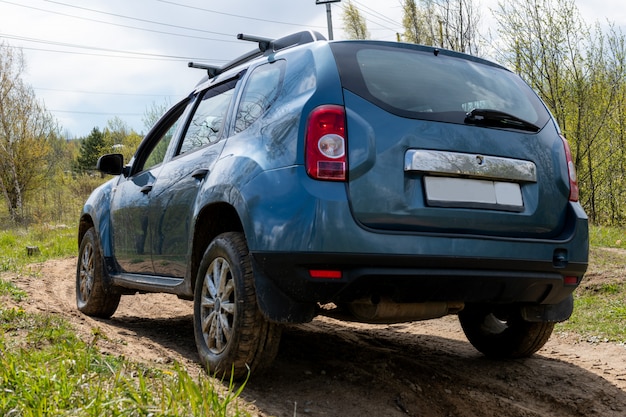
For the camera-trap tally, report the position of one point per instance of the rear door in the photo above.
(440, 142)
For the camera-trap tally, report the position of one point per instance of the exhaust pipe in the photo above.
(386, 311)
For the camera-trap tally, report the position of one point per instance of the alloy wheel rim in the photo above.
(87, 272)
(217, 308)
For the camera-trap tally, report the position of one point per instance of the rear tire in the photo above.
(232, 336)
(93, 296)
(503, 333)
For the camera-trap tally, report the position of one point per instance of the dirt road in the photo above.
(330, 368)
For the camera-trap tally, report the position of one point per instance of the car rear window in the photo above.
(423, 83)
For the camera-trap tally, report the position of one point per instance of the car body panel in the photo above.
(383, 232)
(129, 216)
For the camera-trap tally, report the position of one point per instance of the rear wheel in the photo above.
(502, 333)
(93, 296)
(232, 336)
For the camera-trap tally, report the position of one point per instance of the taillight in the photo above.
(325, 143)
(571, 170)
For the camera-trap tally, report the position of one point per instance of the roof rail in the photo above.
(212, 70)
(264, 43)
(266, 46)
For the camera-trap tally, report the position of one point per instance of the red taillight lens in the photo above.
(571, 170)
(570, 280)
(325, 143)
(325, 273)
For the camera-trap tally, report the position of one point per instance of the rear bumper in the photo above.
(414, 279)
(309, 225)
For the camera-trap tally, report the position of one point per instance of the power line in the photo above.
(374, 13)
(104, 93)
(105, 55)
(96, 113)
(137, 55)
(373, 17)
(238, 16)
(126, 17)
(126, 26)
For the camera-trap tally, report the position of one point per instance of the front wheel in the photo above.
(502, 333)
(93, 296)
(232, 336)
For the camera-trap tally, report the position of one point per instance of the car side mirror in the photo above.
(111, 164)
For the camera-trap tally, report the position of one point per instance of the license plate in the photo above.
(473, 193)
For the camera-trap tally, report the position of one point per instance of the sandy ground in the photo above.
(331, 368)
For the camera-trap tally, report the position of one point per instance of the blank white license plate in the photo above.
(472, 193)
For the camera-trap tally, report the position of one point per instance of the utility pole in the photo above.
(329, 16)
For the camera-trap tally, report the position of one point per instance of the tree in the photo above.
(580, 73)
(451, 24)
(25, 131)
(459, 25)
(121, 138)
(92, 147)
(416, 22)
(154, 113)
(354, 24)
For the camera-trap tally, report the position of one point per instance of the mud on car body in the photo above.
(371, 181)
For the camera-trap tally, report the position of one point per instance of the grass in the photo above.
(8, 288)
(51, 242)
(607, 237)
(45, 369)
(600, 301)
(600, 316)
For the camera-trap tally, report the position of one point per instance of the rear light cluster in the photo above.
(325, 143)
(571, 170)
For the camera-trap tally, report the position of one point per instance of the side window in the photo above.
(260, 92)
(208, 120)
(157, 147)
(157, 154)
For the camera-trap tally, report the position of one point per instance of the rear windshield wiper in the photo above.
(498, 118)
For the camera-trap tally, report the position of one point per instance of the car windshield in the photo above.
(414, 81)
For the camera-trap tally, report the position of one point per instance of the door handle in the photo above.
(200, 174)
(146, 189)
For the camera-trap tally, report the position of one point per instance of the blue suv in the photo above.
(372, 181)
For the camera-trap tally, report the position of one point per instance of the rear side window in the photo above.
(413, 81)
(260, 92)
(208, 120)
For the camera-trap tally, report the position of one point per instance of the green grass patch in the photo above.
(8, 288)
(607, 236)
(45, 369)
(599, 313)
(600, 300)
(46, 241)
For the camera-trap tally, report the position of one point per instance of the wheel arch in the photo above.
(211, 221)
(85, 223)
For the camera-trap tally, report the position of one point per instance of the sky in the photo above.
(90, 61)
